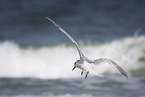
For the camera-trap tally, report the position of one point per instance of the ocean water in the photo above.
(36, 59)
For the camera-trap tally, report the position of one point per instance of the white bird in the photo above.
(86, 64)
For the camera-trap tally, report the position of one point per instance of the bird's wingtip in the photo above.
(47, 18)
(125, 75)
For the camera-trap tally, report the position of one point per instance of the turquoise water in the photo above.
(36, 59)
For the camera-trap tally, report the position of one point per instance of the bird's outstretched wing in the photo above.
(62, 30)
(112, 63)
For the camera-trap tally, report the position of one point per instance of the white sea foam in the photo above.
(57, 61)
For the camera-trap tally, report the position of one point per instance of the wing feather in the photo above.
(62, 30)
(112, 63)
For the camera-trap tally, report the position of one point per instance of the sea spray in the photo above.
(57, 61)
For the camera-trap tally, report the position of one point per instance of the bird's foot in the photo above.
(73, 68)
(87, 74)
(82, 73)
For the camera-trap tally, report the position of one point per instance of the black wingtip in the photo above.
(125, 75)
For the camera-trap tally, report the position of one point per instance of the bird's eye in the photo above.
(76, 62)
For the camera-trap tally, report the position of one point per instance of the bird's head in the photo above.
(75, 64)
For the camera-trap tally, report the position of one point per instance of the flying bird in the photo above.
(85, 64)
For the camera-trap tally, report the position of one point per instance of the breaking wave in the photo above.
(57, 61)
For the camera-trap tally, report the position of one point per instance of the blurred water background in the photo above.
(36, 59)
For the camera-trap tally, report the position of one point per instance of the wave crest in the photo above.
(57, 61)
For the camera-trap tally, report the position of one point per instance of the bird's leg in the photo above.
(82, 73)
(87, 74)
(74, 68)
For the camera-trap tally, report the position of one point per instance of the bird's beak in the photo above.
(73, 68)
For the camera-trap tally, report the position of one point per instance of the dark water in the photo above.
(24, 22)
(91, 87)
(59, 86)
(36, 59)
